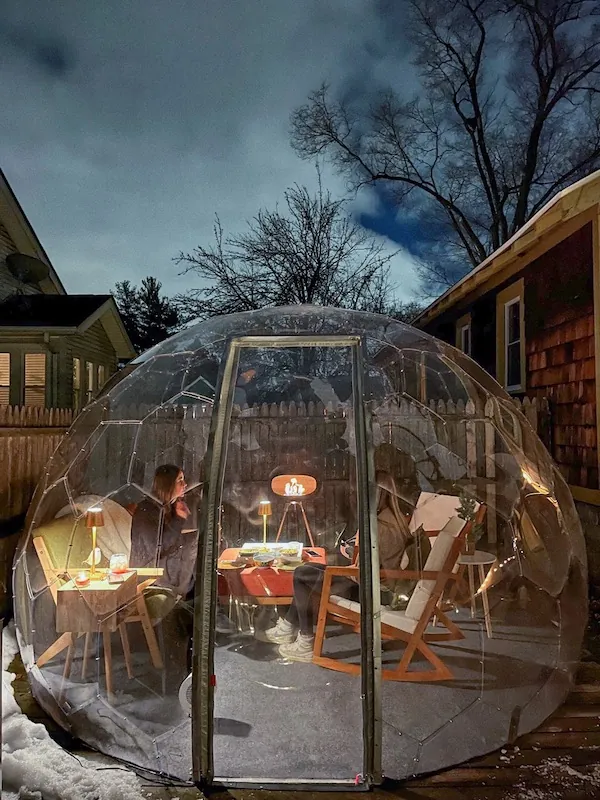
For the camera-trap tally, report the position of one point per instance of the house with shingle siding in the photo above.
(530, 315)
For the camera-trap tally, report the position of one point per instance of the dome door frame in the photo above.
(205, 606)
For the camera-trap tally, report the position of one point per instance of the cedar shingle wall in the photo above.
(559, 336)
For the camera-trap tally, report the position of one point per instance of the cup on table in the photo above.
(119, 563)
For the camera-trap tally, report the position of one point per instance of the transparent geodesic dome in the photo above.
(287, 431)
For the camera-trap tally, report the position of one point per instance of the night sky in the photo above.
(126, 126)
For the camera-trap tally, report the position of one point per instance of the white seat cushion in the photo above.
(395, 619)
(352, 605)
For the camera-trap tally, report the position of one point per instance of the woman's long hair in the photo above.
(163, 487)
(387, 497)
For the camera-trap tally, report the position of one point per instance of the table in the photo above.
(103, 607)
(479, 559)
(267, 585)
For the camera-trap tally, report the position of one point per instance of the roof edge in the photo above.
(121, 341)
(479, 274)
(26, 230)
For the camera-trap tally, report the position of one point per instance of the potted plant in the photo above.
(467, 511)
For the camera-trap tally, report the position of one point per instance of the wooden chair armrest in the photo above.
(145, 584)
(427, 575)
(346, 572)
(156, 572)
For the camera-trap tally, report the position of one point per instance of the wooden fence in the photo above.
(28, 437)
(445, 441)
(442, 443)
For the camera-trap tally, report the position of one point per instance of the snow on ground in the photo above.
(34, 767)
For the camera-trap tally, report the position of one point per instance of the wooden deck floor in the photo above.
(559, 761)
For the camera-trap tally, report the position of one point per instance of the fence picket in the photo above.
(283, 436)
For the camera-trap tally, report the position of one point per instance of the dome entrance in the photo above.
(315, 537)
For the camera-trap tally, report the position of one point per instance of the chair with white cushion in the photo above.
(413, 624)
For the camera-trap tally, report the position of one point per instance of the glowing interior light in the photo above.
(535, 484)
(293, 488)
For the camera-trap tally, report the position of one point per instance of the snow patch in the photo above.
(35, 767)
(557, 773)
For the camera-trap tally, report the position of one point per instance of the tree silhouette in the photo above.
(312, 253)
(506, 114)
(148, 318)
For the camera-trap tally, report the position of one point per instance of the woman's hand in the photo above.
(181, 509)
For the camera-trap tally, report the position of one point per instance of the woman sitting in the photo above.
(158, 538)
(295, 632)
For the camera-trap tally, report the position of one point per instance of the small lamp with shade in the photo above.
(94, 518)
(265, 511)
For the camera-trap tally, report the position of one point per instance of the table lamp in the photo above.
(94, 518)
(265, 511)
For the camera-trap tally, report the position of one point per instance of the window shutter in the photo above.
(76, 373)
(76, 383)
(35, 379)
(4, 379)
(89, 371)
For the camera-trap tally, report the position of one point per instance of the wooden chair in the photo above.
(411, 625)
(433, 511)
(138, 612)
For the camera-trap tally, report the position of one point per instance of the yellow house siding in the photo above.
(92, 346)
(8, 283)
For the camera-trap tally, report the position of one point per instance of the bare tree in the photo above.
(405, 311)
(313, 254)
(507, 113)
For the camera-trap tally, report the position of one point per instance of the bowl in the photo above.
(264, 559)
(293, 561)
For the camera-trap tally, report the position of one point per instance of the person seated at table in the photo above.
(158, 532)
(295, 632)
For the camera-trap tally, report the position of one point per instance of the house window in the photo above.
(463, 334)
(4, 379)
(89, 371)
(510, 337)
(101, 377)
(512, 343)
(35, 379)
(465, 339)
(77, 383)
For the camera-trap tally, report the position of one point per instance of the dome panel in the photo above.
(480, 598)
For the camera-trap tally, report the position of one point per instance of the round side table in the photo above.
(479, 559)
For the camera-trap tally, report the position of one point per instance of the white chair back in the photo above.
(433, 511)
(435, 563)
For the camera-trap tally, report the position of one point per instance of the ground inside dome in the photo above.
(559, 761)
(275, 719)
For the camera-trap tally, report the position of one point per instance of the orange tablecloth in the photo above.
(260, 581)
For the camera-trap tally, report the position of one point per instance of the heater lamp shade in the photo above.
(94, 518)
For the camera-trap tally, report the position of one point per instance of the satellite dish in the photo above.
(27, 269)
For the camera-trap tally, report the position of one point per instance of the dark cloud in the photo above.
(126, 126)
(52, 55)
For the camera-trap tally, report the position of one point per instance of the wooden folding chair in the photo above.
(411, 625)
(433, 511)
(138, 613)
